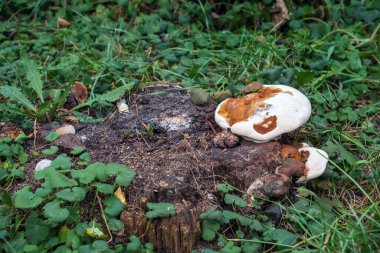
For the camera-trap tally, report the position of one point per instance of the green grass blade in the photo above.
(34, 77)
(16, 95)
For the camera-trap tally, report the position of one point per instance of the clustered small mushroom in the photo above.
(262, 115)
(303, 164)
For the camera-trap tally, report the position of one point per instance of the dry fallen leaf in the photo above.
(280, 13)
(63, 22)
(9, 130)
(80, 92)
(120, 195)
(70, 118)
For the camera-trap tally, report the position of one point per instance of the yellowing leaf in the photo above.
(120, 195)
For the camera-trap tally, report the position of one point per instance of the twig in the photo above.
(104, 217)
(35, 132)
(211, 126)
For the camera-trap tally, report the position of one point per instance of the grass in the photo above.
(328, 49)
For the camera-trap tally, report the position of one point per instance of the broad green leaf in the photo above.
(159, 210)
(51, 151)
(54, 179)
(36, 229)
(54, 212)
(113, 206)
(62, 161)
(104, 188)
(225, 188)
(87, 175)
(75, 194)
(230, 247)
(250, 247)
(77, 150)
(209, 229)
(281, 236)
(230, 199)
(15, 95)
(134, 244)
(34, 77)
(51, 137)
(115, 225)
(124, 174)
(24, 198)
(212, 214)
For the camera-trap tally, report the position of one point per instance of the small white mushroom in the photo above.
(266, 114)
(66, 129)
(315, 164)
(43, 164)
(122, 107)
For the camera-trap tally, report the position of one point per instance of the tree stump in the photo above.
(178, 163)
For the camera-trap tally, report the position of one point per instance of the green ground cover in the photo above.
(328, 49)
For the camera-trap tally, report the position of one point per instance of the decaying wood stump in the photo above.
(179, 163)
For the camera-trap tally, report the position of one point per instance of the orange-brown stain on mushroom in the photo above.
(266, 125)
(240, 109)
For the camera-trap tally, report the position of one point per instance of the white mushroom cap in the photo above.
(272, 111)
(316, 162)
(43, 164)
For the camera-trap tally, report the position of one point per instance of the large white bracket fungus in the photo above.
(266, 114)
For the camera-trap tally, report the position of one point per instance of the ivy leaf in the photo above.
(54, 212)
(87, 175)
(26, 199)
(75, 194)
(209, 229)
(51, 137)
(124, 174)
(51, 151)
(104, 188)
(36, 229)
(159, 210)
(232, 199)
(113, 206)
(54, 179)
